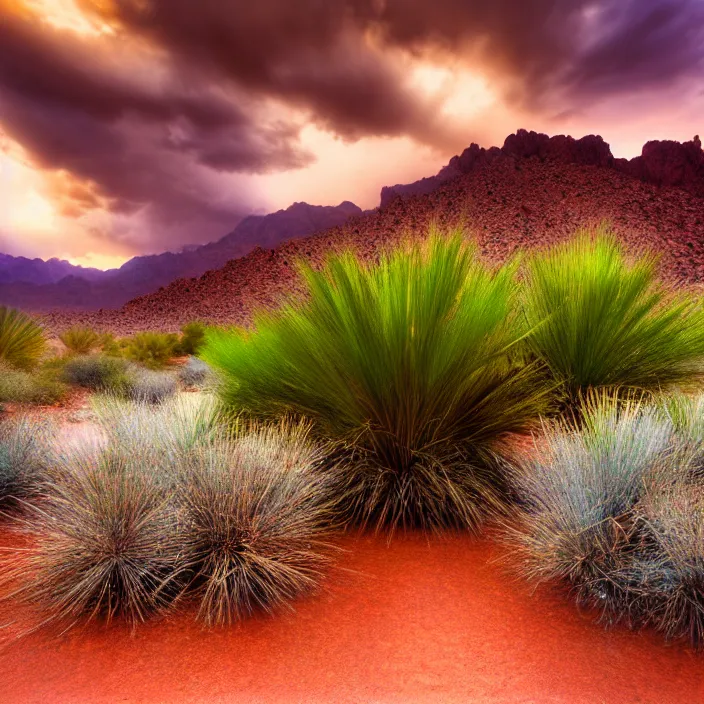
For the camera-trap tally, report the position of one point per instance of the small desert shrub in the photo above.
(22, 341)
(256, 520)
(602, 321)
(107, 538)
(615, 510)
(195, 373)
(97, 372)
(43, 387)
(192, 339)
(106, 542)
(405, 362)
(579, 490)
(167, 501)
(109, 345)
(671, 571)
(80, 340)
(147, 386)
(24, 456)
(151, 349)
(163, 432)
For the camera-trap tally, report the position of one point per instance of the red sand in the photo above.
(413, 621)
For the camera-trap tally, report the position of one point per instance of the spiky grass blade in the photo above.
(604, 321)
(22, 340)
(407, 363)
(257, 521)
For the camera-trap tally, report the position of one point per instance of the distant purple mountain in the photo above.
(55, 284)
(38, 271)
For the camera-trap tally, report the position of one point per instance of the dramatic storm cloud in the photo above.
(143, 125)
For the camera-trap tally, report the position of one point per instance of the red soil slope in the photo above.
(416, 621)
(511, 202)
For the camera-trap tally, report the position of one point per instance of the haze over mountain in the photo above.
(38, 271)
(91, 289)
(533, 191)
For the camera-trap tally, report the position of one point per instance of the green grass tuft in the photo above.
(151, 349)
(22, 341)
(602, 321)
(80, 340)
(407, 363)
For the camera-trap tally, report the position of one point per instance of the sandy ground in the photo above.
(415, 620)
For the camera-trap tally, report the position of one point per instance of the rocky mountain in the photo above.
(144, 274)
(533, 191)
(662, 163)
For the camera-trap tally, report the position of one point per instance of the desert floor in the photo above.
(413, 620)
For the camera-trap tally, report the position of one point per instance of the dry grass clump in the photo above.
(148, 386)
(43, 386)
(165, 505)
(80, 340)
(257, 519)
(151, 349)
(24, 457)
(195, 373)
(96, 372)
(107, 543)
(614, 508)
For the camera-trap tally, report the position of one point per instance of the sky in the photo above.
(139, 126)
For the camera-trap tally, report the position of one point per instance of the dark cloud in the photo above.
(314, 53)
(141, 120)
(640, 45)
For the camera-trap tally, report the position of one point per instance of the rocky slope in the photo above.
(144, 274)
(662, 163)
(518, 196)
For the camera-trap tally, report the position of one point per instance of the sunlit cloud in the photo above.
(142, 126)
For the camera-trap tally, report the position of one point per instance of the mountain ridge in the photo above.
(146, 273)
(512, 201)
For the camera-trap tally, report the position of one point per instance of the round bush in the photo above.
(408, 364)
(256, 521)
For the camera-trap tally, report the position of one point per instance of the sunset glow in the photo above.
(128, 127)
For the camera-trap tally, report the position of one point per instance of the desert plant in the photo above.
(151, 349)
(406, 362)
(80, 340)
(614, 508)
(24, 456)
(160, 434)
(43, 387)
(192, 338)
(146, 386)
(168, 501)
(256, 521)
(603, 321)
(22, 341)
(670, 572)
(106, 542)
(579, 491)
(194, 373)
(110, 345)
(97, 372)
